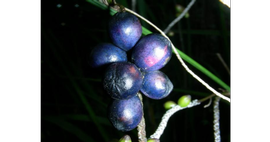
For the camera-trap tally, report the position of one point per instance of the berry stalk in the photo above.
(141, 126)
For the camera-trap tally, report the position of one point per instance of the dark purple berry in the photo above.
(152, 52)
(156, 85)
(122, 80)
(126, 114)
(106, 53)
(125, 30)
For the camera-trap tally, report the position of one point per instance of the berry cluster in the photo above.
(124, 79)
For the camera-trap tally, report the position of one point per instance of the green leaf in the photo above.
(202, 94)
(75, 85)
(81, 117)
(203, 69)
(70, 128)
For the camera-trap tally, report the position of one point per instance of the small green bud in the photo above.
(187, 15)
(169, 104)
(184, 100)
(179, 9)
(125, 138)
(171, 33)
(153, 140)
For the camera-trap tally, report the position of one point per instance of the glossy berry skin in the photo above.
(125, 30)
(152, 52)
(106, 53)
(122, 80)
(156, 85)
(126, 114)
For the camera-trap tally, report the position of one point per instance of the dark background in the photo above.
(73, 102)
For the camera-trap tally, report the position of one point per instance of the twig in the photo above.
(206, 98)
(167, 115)
(207, 105)
(216, 120)
(141, 126)
(174, 109)
(213, 95)
(223, 62)
(179, 17)
(133, 5)
(180, 59)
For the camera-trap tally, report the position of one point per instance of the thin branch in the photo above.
(174, 109)
(206, 98)
(133, 5)
(213, 95)
(223, 62)
(167, 115)
(180, 59)
(72, 77)
(141, 126)
(216, 120)
(207, 105)
(179, 17)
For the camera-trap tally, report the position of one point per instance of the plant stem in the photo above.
(213, 95)
(180, 59)
(162, 125)
(216, 120)
(141, 126)
(223, 63)
(206, 98)
(165, 118)
(133, 5)
(179, 17)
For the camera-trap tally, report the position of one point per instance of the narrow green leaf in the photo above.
(202, 94)
(70, 128)
(80, 117)
(77, 89)
(145, 31)
(202, 32)
(142, 9)
(90, 111)
(203, 70)
(223, 26)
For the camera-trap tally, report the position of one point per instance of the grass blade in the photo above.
(77, 89)
(79, 117)
(70, 128)
(203, 70)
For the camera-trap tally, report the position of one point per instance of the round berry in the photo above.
(125, 138)
(125, 30)
(184, 100)
(106, 53)
(169, 104)
(122, 80)
(156, 85)
(126, 114)
(153, 140)
(152, 52)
